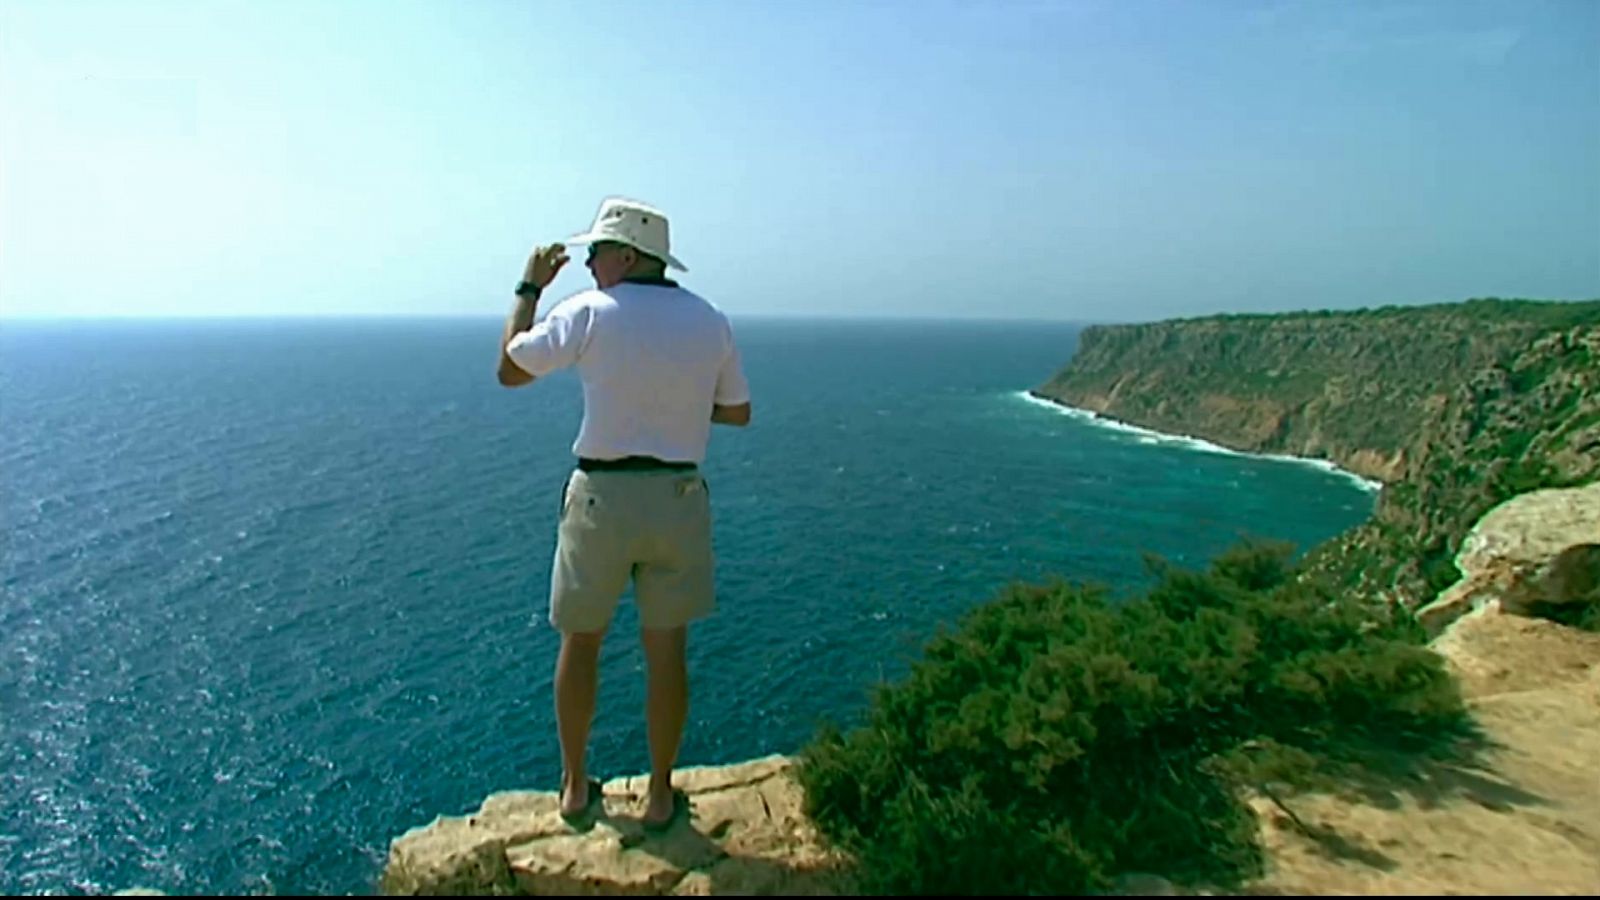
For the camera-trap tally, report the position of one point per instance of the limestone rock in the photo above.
(1542, 547)
(746, 833)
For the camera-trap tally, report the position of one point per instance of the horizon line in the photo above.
(480, 316)
(125, 317)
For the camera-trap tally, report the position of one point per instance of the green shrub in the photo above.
(1054, 740)
(1439, 569)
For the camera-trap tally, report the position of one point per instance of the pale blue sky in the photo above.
(1075, 160)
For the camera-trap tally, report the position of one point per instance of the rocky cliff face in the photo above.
(1531, 421)
(1354, 388)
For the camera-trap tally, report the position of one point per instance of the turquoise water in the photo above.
(274, 591)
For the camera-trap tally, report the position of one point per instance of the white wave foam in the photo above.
(1159, 438)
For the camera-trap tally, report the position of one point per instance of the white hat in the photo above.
(629, 222)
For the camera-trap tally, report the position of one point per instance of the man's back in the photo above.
(654, 359)
(659, 357)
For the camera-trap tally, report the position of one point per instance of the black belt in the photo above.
(633, 464)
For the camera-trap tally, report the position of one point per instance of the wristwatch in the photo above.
(527, 289)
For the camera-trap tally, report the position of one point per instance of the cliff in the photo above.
(1351, 387)
(1530, 421)
(1524, 817)
(1456, 407)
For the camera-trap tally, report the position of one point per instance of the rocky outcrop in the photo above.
(746, 834)
(1533, 552)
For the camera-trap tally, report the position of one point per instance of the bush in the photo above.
(1439, 568)
(1053, 740)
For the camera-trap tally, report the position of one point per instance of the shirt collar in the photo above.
(653, 280)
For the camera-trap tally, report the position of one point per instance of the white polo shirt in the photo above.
(654, 358)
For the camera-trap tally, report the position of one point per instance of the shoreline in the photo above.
(1151, 436)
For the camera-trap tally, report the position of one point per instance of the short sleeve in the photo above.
(555, 342)
(732, 388)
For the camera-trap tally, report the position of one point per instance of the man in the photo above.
(658, 366)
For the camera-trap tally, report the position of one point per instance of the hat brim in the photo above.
(591, 237)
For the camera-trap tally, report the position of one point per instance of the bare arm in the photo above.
(540, 271)
(520, 320)
(731, 415)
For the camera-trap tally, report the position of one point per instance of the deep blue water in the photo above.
(274, 592)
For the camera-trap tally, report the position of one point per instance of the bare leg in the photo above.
(577, 678)
(666, 708)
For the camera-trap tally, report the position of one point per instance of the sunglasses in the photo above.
(600, 247)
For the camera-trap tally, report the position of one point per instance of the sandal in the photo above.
(596, 795)
(680, 808)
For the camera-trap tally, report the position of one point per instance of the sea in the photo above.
(274, 591)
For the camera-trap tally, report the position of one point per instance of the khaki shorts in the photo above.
(653, 527)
